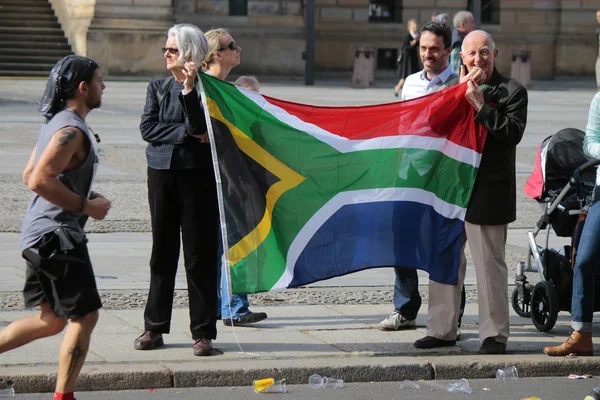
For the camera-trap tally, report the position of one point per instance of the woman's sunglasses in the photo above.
(231, 46)
(171, 50)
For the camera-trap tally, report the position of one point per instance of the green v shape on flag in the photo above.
(307, 193)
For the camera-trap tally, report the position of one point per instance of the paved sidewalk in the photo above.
(293, 343)
(297, 340)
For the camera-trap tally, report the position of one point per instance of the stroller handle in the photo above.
(574, 182)
(589, 164)
(576, 177)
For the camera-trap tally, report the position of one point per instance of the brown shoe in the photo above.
(148, 341)
(430, 342)
(492, 346)
(580, 343)
(203, 347)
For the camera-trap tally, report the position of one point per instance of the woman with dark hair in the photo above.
(182, 195)
(409, 60)
(59, 277)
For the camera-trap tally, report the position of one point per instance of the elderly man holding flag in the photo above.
(500, 104)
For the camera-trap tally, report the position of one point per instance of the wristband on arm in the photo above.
(82, 203)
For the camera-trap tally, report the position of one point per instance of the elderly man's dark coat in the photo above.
(504, 115)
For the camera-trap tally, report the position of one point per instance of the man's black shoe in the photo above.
(148, 341)
(250, 318)
(430, 342)
(492, 346)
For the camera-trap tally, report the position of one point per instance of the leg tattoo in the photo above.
(76, 355)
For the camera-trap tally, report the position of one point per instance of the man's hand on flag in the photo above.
(474, 78)
(475, 75)
(474, 95)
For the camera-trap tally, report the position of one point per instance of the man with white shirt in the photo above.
(434, 49)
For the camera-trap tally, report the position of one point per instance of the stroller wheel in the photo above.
(521, 304)
(544, 306)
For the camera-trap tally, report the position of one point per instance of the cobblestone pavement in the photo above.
(125, 299)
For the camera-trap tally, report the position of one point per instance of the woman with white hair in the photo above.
(181, 193)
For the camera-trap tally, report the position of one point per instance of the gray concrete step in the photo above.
(38, 15)
(41, 37)
(32, 59)
(29, 23)
(40, 52)
(28, 30)
(23, 66)
(21, 9)
(41, 42)
(33, 45)
(25, 3)
(41, 73)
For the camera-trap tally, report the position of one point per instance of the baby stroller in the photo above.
(562, 182)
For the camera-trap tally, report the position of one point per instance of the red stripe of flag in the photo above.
(425, 116)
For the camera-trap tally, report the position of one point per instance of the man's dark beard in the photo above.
(95, 105)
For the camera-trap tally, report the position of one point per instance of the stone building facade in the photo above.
(125, 35)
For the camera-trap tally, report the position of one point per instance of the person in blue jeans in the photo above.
(407, 302)
(236, 311)
(434, 50)
(588, 257)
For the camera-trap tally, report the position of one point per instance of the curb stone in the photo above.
(105, 377)
(535, 365)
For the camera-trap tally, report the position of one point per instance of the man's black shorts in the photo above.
(63, 279)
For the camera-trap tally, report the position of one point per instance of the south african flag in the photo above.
(309, 193)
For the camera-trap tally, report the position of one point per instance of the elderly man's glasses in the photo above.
(171, 50)
(231, 46)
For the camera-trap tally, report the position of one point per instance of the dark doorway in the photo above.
(385, 10)
(386, 58)
(238, 7)
(490, 11)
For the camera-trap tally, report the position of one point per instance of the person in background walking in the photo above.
(440, 17)
(409, 59)
(464, 23)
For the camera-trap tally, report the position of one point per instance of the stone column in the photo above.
(577, 44)
(75, 17)
(125, 36)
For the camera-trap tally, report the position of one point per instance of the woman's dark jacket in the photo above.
(167, 125)
(409, 64)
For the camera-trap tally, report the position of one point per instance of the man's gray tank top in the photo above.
(42, 216)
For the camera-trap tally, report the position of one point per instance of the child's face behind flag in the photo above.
(250, 87)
